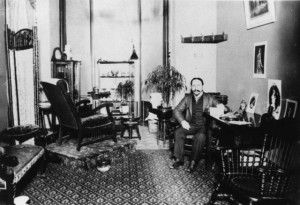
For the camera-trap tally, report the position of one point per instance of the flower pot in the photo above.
(103, 165)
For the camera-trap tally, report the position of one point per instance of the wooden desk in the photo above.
(244, 130)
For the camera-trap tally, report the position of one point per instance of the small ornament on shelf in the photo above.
(68, 52)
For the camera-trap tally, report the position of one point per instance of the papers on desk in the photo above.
(216, 111)
(239, 122)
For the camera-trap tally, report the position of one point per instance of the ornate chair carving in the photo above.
(87, 127)
(264, 176)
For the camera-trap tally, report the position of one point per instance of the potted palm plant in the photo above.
(125, 90)
(166, 80)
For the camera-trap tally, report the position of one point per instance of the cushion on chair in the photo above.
(21, 132)
(27, 156)
(95, 120)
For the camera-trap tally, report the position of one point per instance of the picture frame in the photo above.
(259, 13)
(260, 60)
(252, 103)
(290, 108)
(274, 97)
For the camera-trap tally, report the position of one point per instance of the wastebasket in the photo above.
(153, 126)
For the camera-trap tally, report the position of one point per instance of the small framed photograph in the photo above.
(252, 103)
(259, 60)
(259, 13)
(290, 108)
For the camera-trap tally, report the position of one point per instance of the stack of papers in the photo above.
(239, 122)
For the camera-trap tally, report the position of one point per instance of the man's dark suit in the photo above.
(185, 106)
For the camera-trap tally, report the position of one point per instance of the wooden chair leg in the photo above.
(122, 132)
(130, 132)
(11, 189)
(214, 195)
(60, 136)
(42, 166)
(114, 137)
(79, 140)
(138, 131)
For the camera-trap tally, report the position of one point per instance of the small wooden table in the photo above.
(130, 124)
(164, 116)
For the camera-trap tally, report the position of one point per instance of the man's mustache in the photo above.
(195, 91)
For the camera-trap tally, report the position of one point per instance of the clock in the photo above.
(57, 54)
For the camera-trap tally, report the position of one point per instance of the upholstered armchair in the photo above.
(87, 127)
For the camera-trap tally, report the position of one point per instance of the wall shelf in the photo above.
(100, 61)
(205, 39)
(117, 76)
(112, 74)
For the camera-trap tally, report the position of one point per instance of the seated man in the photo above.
(193, 104)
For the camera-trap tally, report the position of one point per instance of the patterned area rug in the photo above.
(141, 177)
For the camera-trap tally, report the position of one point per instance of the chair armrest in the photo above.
(84, 102)
(243, 147)
(271, 170)
(278, 170)
(93, 111)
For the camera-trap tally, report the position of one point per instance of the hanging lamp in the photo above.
(134, 55)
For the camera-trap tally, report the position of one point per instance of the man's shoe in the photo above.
(192, 167)
(176, 165)
(173, 158)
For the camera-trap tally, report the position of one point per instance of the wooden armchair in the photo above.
(264, 176)
(87, 127)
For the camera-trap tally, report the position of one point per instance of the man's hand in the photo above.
(185, 125)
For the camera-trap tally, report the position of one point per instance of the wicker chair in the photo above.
(87, 127)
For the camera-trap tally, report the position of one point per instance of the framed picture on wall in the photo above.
(290, 108)
(260, 60)
(259, 12)
(252, 103)
(274, 96)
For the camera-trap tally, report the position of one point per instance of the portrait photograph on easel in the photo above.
(252, 103)
(274, 96)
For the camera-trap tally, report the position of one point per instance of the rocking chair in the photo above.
(88, 127)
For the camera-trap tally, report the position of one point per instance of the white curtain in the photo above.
(21, 15)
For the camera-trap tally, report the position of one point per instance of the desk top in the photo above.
(230, 119)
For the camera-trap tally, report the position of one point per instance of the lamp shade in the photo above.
(134, 55)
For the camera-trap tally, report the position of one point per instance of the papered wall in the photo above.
(235, 56)
(193, 17)
(3, 82)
